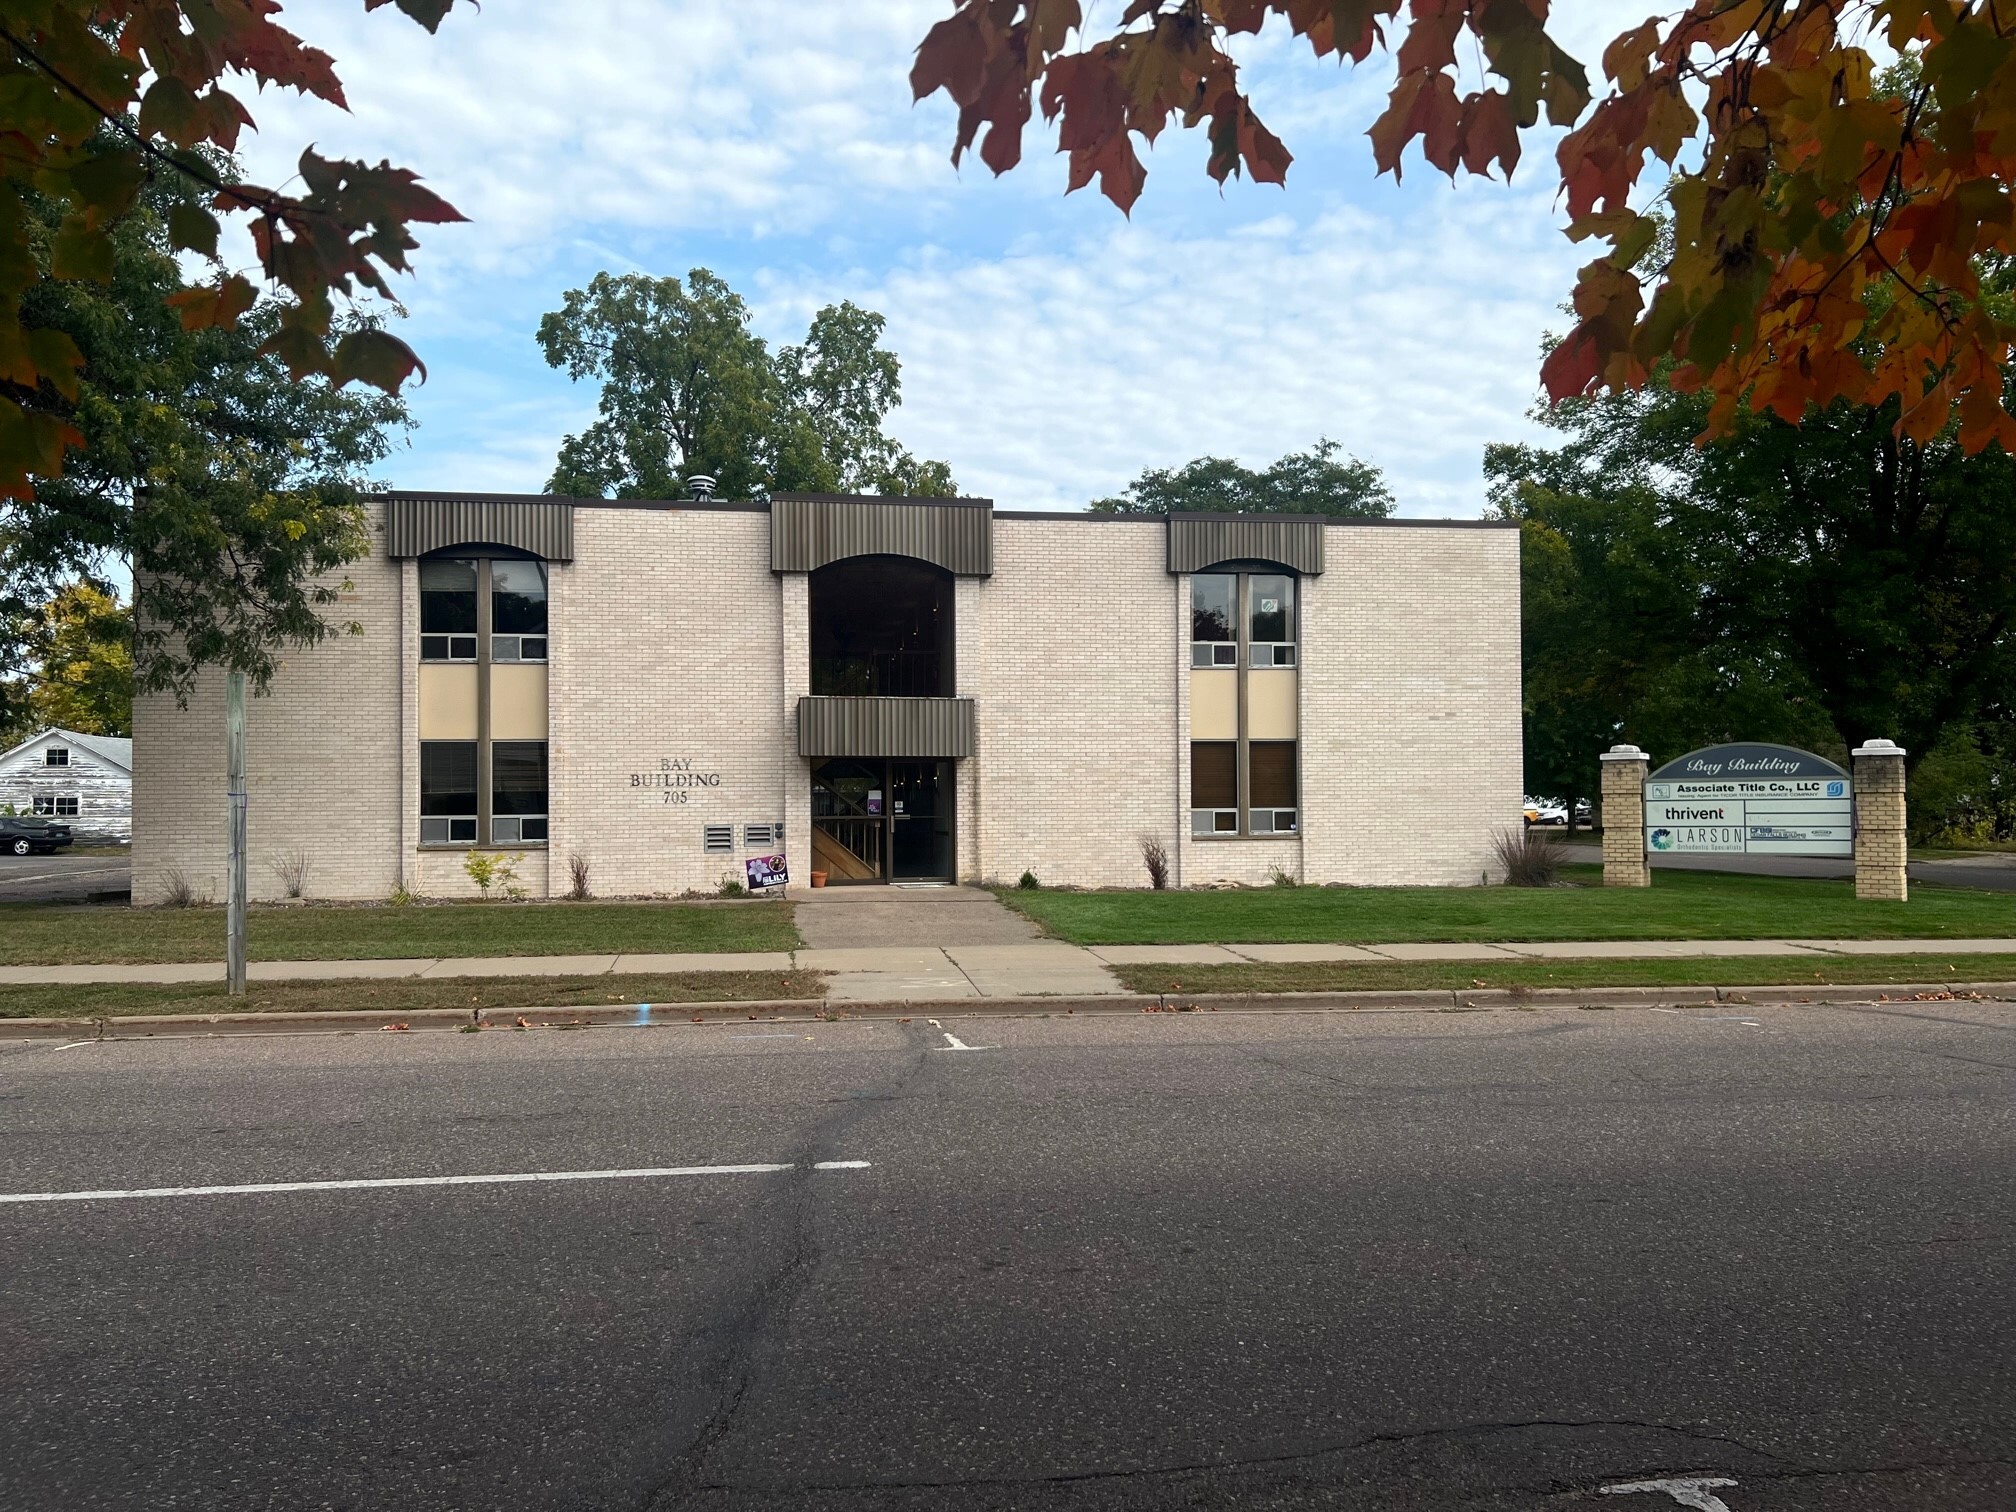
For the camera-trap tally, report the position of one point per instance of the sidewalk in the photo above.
(1034, 968)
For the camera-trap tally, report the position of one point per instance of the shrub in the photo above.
(1529, 857)
(177, 891)
(399, 897)
(577, 878)
(291, 868)
(488, 869)
(1279, 877)
(1027, 882)
(1155, 856)
(731, 886)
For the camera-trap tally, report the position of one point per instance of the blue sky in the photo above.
(1051, 348)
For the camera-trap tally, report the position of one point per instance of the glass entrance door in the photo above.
(882, 821)
(920, 821)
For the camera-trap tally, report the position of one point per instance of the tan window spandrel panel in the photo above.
(517, 703)
(1214, 705)
(1270, 704)
(448, 702)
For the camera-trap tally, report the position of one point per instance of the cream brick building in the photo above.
(875, 690)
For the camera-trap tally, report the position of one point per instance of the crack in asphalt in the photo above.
(757, 1322)
(1245, 1462)
(1921, 1018)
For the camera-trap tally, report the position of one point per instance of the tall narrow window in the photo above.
(517, 611)
(448, 609)
(1214, 787)
(1214, 620)
(517, 791)
(447, 792)
(1245, 700)
(1271, 780)
(1270, 608)
(483, 723)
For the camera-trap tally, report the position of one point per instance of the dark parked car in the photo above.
(27, 837)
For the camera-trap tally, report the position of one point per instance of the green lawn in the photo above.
(1401, 976)
(1678, 906)
(500, 993)
(49, 935)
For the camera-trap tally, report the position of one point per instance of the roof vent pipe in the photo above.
(701, 487)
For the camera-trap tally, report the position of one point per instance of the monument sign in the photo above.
(1750, 799)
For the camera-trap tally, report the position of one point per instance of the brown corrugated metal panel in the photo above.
(809, 530)
(940, 727)
(418, 524)
(1198, 541)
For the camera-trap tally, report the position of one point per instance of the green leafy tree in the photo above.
(1317, 481)
(688, 388)
(78, 671)
(229, 490)
(1822, 583)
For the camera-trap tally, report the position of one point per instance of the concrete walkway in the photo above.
(1031, 968)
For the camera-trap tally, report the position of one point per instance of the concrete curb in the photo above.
(664, 1015)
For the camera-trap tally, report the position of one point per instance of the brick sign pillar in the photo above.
(1880, 852)
(1624, 769)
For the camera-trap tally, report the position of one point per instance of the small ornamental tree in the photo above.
(1801, 190)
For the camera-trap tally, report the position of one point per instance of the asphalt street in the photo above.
(63, 877)
(1472, 1261)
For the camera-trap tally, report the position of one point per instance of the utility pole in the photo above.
(234, 767)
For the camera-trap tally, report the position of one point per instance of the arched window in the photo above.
(881, 626)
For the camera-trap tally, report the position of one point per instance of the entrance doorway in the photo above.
(876, 820)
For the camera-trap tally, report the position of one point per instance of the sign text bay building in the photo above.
(880, 690)
(1750, 799)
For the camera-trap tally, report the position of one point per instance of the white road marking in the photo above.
(1688, 1490)
(504, 1179)
(953, 1042)
(75, 1043)
(1712, 1018)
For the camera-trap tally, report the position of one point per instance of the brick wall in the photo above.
(322, 761)
(1075, 702)
(669, 648)
(1411, 743)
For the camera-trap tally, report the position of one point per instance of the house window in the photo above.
(56, 756)
(1214, 787)
(1214, 619)
(447, 792)
(56, 805)
(517, 792)
(448, 608)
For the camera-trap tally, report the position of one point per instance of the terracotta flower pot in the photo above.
(818, 879)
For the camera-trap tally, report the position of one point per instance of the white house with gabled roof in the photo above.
(84, 781)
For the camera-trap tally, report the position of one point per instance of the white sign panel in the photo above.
(1750, 800)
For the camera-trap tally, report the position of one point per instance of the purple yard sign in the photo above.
(765, 871)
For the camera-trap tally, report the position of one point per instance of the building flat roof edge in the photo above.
(1076, 516)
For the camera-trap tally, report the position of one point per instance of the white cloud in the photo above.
(1051, 348)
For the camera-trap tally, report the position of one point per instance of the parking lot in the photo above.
(65, 878)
